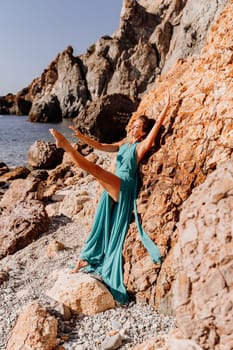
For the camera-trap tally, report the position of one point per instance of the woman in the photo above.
(102, 253)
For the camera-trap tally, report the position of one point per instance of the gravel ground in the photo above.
(30, 276)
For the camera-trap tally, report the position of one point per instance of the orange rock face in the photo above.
(197, 136)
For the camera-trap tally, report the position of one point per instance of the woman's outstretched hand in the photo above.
(77, 133)
(61, 141)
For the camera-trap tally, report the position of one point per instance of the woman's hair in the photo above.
(148, 123)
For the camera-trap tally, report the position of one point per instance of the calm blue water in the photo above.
(17, 134)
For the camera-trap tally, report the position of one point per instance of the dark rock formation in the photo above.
(46, 110)
(3, 168)
(107, 117)
(19, 172)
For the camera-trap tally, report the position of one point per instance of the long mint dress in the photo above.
(103, 249)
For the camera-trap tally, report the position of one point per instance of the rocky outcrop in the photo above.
(115, 109)
(189, 28)
(203, 262)
(46, 110)
(197, 137)
(20, 190)
(202, 268)
(8, 104)
(125, 64)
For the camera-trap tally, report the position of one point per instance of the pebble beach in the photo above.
(31, 273)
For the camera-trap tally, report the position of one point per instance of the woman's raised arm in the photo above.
(145, 145)
(113, 147)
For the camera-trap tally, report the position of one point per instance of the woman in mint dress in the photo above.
(102, 253)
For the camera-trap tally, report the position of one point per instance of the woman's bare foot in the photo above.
(79, 265)
(61, 141)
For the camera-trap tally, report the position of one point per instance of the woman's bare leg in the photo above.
(110, 182)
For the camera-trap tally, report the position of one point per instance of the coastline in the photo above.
(17, 134)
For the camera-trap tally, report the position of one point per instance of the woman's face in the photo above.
(136, 130)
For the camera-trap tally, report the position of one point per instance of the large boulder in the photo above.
(44, 155)
(19, 190)
(23, 224)
(35, 329)
(81, 293)
(46, 110)
(107, 117)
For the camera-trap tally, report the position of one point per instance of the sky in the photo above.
(33, 32)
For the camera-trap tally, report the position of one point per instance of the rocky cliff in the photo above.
(198, 137)
(151, 36)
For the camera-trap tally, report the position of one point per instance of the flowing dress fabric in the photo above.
(103, 249)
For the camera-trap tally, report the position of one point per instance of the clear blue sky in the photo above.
(33, 32)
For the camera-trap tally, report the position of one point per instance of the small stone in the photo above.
(111, 343)
(116, 325)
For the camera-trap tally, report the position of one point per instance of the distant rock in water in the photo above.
(44, 155)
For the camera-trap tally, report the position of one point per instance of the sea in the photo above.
(17, 134)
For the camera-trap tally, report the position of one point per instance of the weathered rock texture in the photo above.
(151, 36)
(44, 155)
(35, 329)
(19, 191)
(23, 224)
(22, 215)
(197, 137)
(202, 263)
(203, 260)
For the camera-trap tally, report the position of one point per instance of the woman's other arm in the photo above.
(145, 145)
(113, 147)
